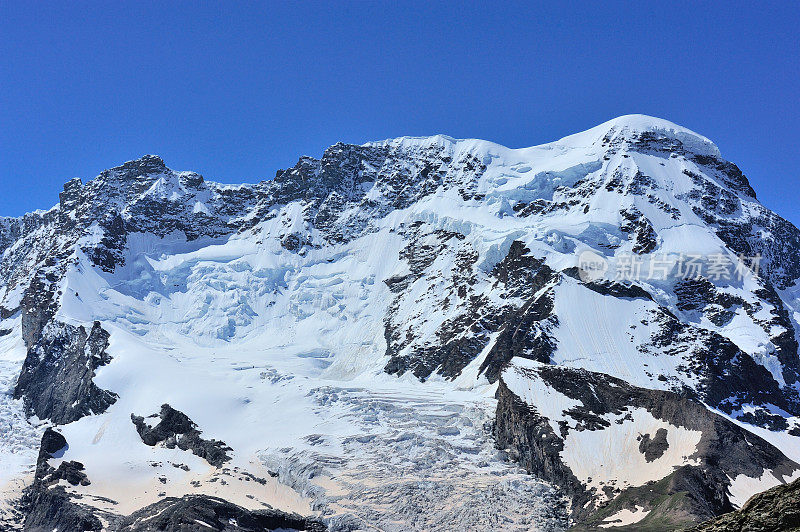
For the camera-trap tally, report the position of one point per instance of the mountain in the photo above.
(417, 333)
(775, 509)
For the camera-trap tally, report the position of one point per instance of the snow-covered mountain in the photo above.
(418, 333)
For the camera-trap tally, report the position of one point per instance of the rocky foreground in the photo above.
(777, 509)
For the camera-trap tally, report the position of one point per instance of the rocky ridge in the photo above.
(466, 252)
(774, 510)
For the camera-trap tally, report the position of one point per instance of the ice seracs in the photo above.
(370, 303)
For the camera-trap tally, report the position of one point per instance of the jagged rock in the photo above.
(70, 471)
(522, 329)
(653, 448)
(775, 510)
(175, 429)
(211, 513)
(48, 506)
(56, 378)
(724, 450)
(531, 441)
(641, 230)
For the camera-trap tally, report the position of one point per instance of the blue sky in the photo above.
(236, 90)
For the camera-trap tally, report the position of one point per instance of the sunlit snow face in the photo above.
(280, 350)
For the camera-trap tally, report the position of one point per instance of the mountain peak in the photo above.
(438, 141)
(335, 300)
(621, 130)
(640, 122)
(144, 165)
(634, 127)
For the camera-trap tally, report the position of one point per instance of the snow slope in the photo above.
(342, 328)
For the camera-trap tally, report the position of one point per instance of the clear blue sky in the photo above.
(236, 90)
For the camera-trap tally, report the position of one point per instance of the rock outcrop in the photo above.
(691, 487)
(451, 264)
(47, 504)
(56, 379)
(174, 429)
(775, 510)
(199, 512)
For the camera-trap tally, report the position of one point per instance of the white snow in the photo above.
(623, 126)
(281, 354)
(602, 333)
(743, 487)
(608, 456)
(612, 456)
(547, 401)
(626, 517)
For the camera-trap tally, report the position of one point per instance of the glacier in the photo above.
(385, 338)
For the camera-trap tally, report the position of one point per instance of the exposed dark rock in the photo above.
(201, 512)
(607, 287)
(49, 506)
(175, 429)
(531, 441)
(640, 230)
(655, 447)
(294, 241)
(52, 443)
(725, 450)
(775, 510)
(522, 328)
(719, 306)
(709, 355)
(54, 509)
(71, 471)
(762, 233)
(38, 308)
(56, 378)
(524, 331)
(697, 294)
(730, 173)
(108, 253)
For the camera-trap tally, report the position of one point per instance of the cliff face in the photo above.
(372, 301)
(773, 510)
(659, 455)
